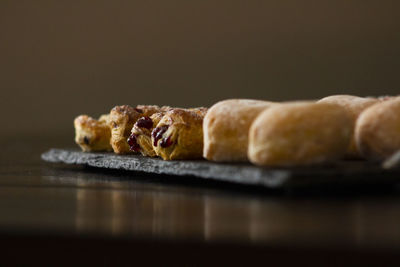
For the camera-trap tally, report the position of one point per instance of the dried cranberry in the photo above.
(145, 122)
(86, 140)
(134, 146)
(139, 110)
(158, 132)
(166, 142)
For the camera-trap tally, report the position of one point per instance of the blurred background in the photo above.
(59, 59)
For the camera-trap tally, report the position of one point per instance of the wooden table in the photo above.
(59, 213)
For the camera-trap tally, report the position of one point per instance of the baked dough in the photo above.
(226, 127)
(92, 134)
(179, 134)
(378, 130)
(354, 105)
(299, 133)
(140, 138)
(122, 119)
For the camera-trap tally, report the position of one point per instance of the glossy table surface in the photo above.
(63, 203)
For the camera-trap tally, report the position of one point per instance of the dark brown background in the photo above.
(62, 58)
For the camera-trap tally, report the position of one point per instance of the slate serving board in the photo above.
(340, 173)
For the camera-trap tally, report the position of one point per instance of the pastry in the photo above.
(354, 105)
(140, 138)
(299, 133)
(122, 119)
(378, 130)
(226, 127)
(92, 134)
(179, 134)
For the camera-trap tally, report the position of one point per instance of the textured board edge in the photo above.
(240, 174)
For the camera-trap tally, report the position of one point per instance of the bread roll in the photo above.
(226, 128)
(299, 133)
(354, 105)
(378, 130)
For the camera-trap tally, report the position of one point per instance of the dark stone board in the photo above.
(340, 173)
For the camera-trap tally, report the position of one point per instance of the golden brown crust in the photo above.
(92, 134)
(226, 127)
(299, 133)
(141, 131)
(122, 119)
(354, 105)
(142, 134)
(179, 134)
(201, 111)
(378, 130)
